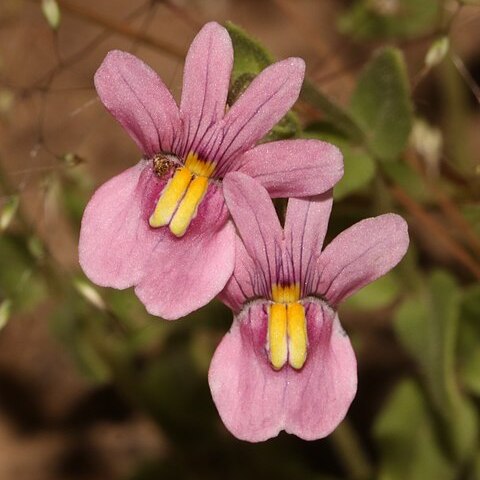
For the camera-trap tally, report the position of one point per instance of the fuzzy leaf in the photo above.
(406, 436)
(334, 113)
(427, 327)
(378, 294)
(469, 341)
(381, 104)
(403, 175)
(249, 55)
(359, 167)
(388, 19)
(359, 171)
(249, 59)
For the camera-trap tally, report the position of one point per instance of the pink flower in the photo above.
(286, 363)
(162, 225)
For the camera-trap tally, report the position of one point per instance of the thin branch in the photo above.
(437, 229)
(456, 217)
(466, 75)
(449, 208)
(123, 29)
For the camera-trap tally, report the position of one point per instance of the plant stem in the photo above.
(348, 448)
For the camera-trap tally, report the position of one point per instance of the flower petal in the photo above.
(245, 283)
(267, 99)
(136, 96)
(256, 402)
(294, 168)
(319, 395)
(306, 223)
(248, 393)
(115, 239)
(205, 82)
(184, 274)
(257, 222)
(361, 254)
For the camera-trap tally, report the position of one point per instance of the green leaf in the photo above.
(379, 294)
(437, 52)
(287, 127)
(75, 188)
(249, 59)
(427, 327)
(369, 19)
(338, 116)
(456, 105)
(239, 86)
(381, 104)
(19, 278)
(359, 171)
(406, 436)
(5, 311)
(472, 214)
(8, 211)
(89, 293)
(404, 176)
(51, 12)
(249, 56)
(469, 341)
(82, 330)
(359, 167)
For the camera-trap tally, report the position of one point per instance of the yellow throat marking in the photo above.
(287, 328)
(179, 201)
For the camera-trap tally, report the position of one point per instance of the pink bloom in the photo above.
(286, 363)
(162, 225)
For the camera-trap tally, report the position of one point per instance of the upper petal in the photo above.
(136, 96)
(318, 396)
(306, 223)
(256, 402)
(257, 222)
(294, 168)
(115, 239)
(267, 99)
(361, 254)
(205, 82)
(245, 283)
(184, 274)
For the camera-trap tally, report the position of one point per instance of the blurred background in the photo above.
(92, 387)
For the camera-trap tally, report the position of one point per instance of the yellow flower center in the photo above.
(287, 328)
(179, 201)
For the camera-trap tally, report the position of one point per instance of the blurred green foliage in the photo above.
(426, 424)
(381, 104)
(369, 19)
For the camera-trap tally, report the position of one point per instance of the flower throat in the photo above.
(179, 200)
(287, 329)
